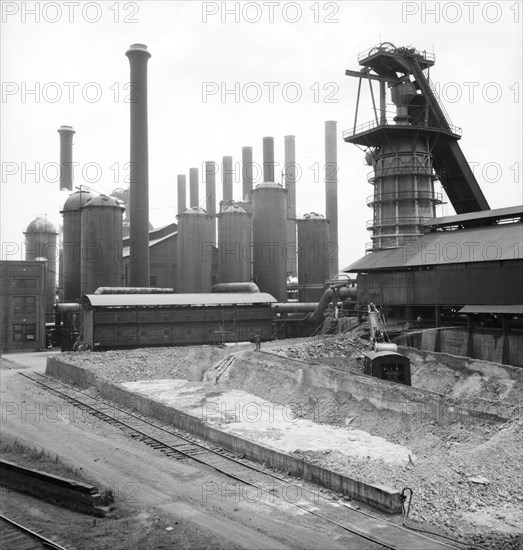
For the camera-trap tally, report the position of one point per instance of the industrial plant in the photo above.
(242, 288)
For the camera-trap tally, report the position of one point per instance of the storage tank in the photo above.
(41, 244)
(234, 245)
(269, 230)
(404, 194)
(101, 244)
(314, 249)
(71, 252)
(194, 251)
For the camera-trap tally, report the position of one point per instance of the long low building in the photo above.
(480, 263)
(112, 321)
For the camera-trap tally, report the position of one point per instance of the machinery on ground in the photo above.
(384, 361)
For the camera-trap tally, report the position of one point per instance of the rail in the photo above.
(176, 444)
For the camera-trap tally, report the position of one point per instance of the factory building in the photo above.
(24, 296)
(433, 274)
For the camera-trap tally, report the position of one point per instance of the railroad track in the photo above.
(15, 536)
(181, 446)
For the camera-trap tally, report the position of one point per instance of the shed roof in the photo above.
(204, 299)
(508, 310)
(479, 244)
(481, 216)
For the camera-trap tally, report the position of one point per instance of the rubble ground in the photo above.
(466, 477)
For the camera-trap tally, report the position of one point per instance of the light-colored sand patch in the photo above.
(269, 424)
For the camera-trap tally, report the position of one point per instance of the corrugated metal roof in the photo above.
(498, 213)
(145, 300)
(480, 244)
(152, 242)
(508, 310)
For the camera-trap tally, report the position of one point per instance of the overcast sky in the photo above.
(73, 55)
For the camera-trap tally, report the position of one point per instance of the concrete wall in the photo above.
(480, 343)
(382, 498)
(65, 492)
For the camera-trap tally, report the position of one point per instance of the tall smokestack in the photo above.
(182, 193)
(290, 185)
(331, 190)
(268, 159)
(139, 174)
(227, 178)
(247, 174)
(66, 157)
(193, 187)
(211, 169)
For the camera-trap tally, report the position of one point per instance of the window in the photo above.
(24, 333)
(24, 305)
(24, 283)
(154, 280)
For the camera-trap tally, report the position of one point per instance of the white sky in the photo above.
(483, 47)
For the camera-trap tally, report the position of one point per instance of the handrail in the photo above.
(387, 47)
(364, 127)
(396, 221)
(405, 195)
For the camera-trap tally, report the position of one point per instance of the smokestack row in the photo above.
(258, 237)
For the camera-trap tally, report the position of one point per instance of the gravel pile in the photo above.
(466, 477)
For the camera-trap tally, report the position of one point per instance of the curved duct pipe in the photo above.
(319, 310)
(348, 292)
(132, 290)
(235, 287)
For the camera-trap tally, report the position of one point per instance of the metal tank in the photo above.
(194, 250)
(71, 243)
(315, 249)
(269, 230)
(41, 245)
(101, 244)
(404, 194)
(234, 245)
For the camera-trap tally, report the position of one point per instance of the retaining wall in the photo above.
(382, 498)
(65, 492)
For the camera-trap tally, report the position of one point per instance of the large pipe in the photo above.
(139, 174)
(247, 174)
(211, 169)
(66, 157)
(331, 190)
(290, 185)
(182, 193)
(227, 178)
(132, 290)
(193, 187)
(268, 160)
(290, 175)
(235, 287)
